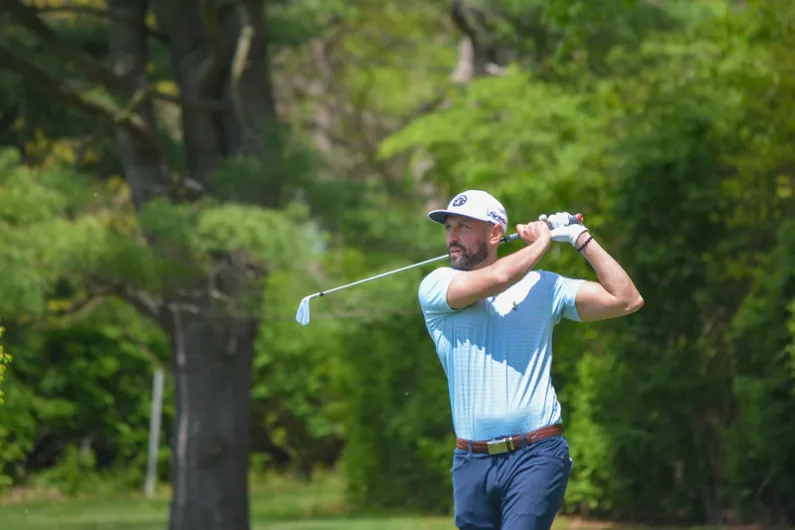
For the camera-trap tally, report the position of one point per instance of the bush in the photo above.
(85, 384)
(5, 359)
(398, 426)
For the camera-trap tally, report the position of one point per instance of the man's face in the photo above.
(467, 241)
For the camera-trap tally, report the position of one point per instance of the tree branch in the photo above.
(91, 67)
(211, 66)
(69, 96)
(77, 309)
(478, 49)
(239, 63)
(141, 301)
(317, 128)
(97, 12)
(195, 103)
(80, 307)
(424, 108)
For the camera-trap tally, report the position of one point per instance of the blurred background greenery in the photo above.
(668, 124)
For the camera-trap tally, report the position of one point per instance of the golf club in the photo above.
(302, 315)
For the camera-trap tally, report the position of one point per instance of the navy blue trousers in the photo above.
(521, 490)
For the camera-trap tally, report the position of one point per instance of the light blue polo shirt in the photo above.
(497, 353)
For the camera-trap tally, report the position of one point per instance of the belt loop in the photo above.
(469, 446)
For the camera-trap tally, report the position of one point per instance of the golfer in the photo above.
(491, 320)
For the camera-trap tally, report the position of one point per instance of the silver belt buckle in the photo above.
(498, 446)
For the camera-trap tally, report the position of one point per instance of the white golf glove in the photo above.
(561, 229)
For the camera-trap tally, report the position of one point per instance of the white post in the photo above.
(154, 432)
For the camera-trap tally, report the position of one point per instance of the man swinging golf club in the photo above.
(491, 320)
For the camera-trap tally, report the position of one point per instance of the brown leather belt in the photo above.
(509, 443)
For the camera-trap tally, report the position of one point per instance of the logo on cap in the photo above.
(459, 201)
(497, 217)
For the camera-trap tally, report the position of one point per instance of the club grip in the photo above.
(573, 219)
(508, 239)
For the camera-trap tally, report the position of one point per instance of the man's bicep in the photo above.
(470, 286)
(594, 303)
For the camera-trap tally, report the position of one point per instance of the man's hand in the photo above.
(562, 231)
(535, 231)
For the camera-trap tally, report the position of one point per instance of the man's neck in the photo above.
(486, 262)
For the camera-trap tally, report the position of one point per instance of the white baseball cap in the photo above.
(475, 204)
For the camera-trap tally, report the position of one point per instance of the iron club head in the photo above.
(302, 315)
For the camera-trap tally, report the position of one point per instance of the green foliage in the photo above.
(293, 23)
(391, 67)
(536, 144)
(297, 411)
(669, 125)
(58, 226)
(5, 360)
(259, 179)
(670, 192)
(762, 342)
(44, 235)
(105, 411)
(62, 238)
(45, 130)
(696, 243)
(397, 418)
(547, 35)
(279, 239)
(75, 472)
(652, 152)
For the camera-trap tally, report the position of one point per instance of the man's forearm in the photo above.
(495, 278)
(610, 273)
(515, 266)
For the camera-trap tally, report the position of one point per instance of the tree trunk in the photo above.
(212, 360)
(220, 62)
(143, 162)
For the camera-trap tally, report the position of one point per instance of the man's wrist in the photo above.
(545, 242)
(582, 239)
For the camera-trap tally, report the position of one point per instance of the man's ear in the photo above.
(496, 234)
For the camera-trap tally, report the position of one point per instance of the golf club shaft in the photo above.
(507, 239)
(407, 267)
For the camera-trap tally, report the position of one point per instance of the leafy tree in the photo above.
(208, 226)
(5, 359)
(659, 121)
(696, 232)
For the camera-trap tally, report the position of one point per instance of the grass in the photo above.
(276, 504)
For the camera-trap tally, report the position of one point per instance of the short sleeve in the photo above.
(433, 292)
(564, 295)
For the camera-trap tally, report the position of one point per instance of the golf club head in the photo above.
(302, 315)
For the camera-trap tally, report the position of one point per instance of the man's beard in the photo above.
(466, 261)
